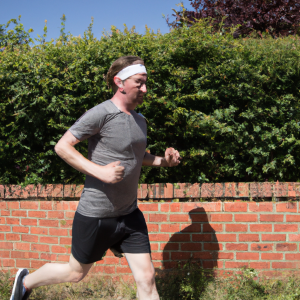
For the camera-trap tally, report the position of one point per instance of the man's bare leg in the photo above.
(53, 273)
(144, 275)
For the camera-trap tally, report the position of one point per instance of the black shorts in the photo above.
(92, 237)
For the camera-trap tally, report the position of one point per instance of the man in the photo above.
(107, 216)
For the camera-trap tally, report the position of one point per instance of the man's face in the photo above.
(135, 88)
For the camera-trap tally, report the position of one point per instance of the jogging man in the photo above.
(107, 216)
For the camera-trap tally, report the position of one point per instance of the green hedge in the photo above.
(231, 107)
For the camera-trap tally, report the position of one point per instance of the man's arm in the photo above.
(110, 173)
(171, 159)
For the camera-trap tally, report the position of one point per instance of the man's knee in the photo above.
(147, 278)
(76, 277)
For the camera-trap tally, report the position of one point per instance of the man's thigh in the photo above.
(140, 263)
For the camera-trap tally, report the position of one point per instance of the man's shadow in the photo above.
(196, 243)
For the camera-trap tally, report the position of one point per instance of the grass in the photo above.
(187, 283)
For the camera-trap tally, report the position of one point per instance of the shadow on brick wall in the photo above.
(196, 242)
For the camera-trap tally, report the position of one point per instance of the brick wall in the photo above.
(36, 223)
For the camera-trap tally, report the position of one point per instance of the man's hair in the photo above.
(118, 65)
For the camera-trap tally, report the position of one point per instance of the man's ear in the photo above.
(118, 82)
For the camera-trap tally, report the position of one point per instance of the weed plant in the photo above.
(187, 283)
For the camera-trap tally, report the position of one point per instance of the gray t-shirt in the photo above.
(112, 135)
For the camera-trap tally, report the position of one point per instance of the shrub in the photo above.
(231, 107)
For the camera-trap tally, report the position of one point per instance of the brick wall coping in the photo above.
(227, 190)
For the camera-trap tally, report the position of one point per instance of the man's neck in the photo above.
(120, 101)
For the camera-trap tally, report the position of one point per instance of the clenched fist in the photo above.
(112, 172)
(172, 157)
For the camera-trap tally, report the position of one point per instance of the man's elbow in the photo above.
(58, 149)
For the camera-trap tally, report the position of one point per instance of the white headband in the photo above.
(131, 70)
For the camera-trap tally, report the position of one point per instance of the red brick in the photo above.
(272, 256)
(5, 228)
(222, 255)
(168, 246)
(273, 237)
(65, 241)
(49, 240)
(212, 264)
(286, 207)
(2, 220)
(212, 227)
(148, 207)
(36, 264)
(235, 206)
(4, 254)
(24, 254)
(181, 255)
(12, 237)
(265, 189)
(202, 237)
(191, 247)
(286, 228)
(5, 212)
(160, 255)
(190, 227)
(230, 189)
(179, 218)
(111, 260)
(293, 237)
(236, 227)
(153, 227)
(73, 205)
(178, 237)
(207, 190)
(159, 237)
(286, 247)
(44, 191)
(221, 217)
(69, 215)
(29, 204)
(247, 256)
(13, 205)
(213, 246)
(285, 265)
(119, 270)
(13, 221)
(226, 237)
(22, 246)
(59, 232)
(248, 237)
(261, 227)
(292, 256)
(293, 218)
(280, 189)
(238, 247)
(29, 222)
(2, 196)
(168, 190)
(38, 247)
(19, 213)
(55, 214)
(219, 190)
(46, 205)
(2, 237)
(201, 207)
(198, 217)
(57, 190)
(245, 218)
(260, 207)
(154, 246)
(38, 230)
(254, 189)
(271, 218)
(46, 256)
(20, 229)
(158, 218)
(236, 265)
(164, 207)
(30, 238)
(260, 265)
(48, 223)
(175, 207)
(169, 228)
(261, 247)
(58, 249)
(6, 262)
(243, 189)
(36, 214)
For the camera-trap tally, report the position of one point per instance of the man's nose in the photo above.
(144, 88)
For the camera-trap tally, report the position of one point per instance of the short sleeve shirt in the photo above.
(112, 136)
